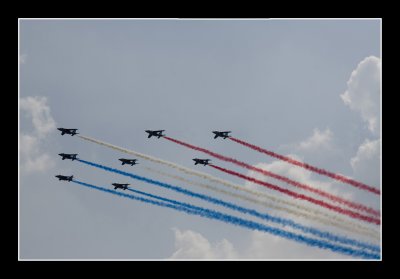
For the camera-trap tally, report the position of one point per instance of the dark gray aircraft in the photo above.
(128, 161)
(157, 133)
(204, 162)
(68, 131)
(68, 156)
(221, 134)
(63, 177)
(121, 186)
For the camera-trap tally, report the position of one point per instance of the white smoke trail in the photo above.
(327, 221)
(355, 227)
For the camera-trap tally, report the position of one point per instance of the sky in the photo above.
(305, 88)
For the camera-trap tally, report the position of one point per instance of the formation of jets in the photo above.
(68, 156)
(68, 131)
(155, 133)
(121, 186)
(204, 162)
(128, 161)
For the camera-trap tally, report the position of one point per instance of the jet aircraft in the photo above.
(121, 186)
(68, 156)
(63, 177)
(204, 162)
(68, 131)
(221, 134)
(128, 161)
(157, 133)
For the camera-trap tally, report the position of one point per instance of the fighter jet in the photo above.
(128, 161)
(221, 134)
(121, 186)
(68, 156)
(68, 131)
(63, 177)
(204, 162)
(155, 133)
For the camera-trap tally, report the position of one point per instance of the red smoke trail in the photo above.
(282, 178)
(303, 197)
(335, 176)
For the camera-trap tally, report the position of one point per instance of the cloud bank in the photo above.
(365, 163)
(317, 141)
(192, 245)
(33, 158)
(363, 91)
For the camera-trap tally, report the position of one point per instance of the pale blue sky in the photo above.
(271, 82)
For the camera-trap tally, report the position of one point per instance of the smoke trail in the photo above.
(172, 165)
(267, 217)
(231, 185)
(303, 197)
(330, 220)
(195, 173)
(282, 178)
(288, 222)
(211, 214)
(335, 176)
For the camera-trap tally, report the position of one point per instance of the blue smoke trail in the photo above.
(211, 214)
(190, 206)
(283, 221)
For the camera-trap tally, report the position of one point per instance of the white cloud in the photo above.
(29, 144)
(318, 140)
(39, 111)
(363, 91)
(33, 158)
(38, 163)
(22, 58)
(192, 245)
(366, 162)
(294, 173)
(267, 246)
